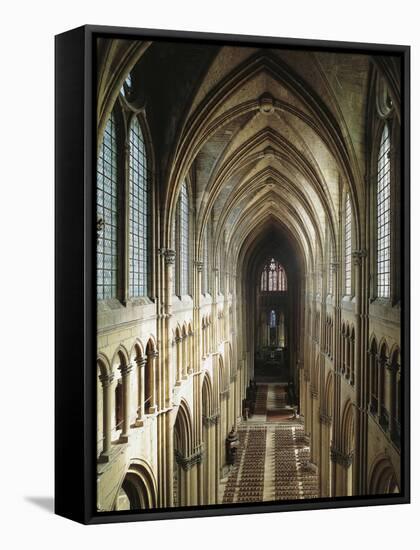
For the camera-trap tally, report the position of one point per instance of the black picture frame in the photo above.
(75, 299)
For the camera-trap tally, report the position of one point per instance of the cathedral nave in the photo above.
(248, 294)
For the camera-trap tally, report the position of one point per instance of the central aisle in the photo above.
(273, 459)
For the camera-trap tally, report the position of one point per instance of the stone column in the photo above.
(170, 465)
(140, 406)
(106, 381)
(184, 345)
(190, 352)
(200, 266)
(125, 374)
(169, 278)
(391, 388)
(381, 385)
(369, 380)
(178, 346)
(152, 381)
(337, 354)
(360, 422)
(193, 485)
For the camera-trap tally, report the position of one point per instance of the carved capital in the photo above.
(391, 366)
(211, 420)
(125, 369)
(187, 462)
(358, 256)
(106, 379)
(169, 256)
(199, 265)
(314, 392)
(334, 266)
(325, 418)
(340, 457)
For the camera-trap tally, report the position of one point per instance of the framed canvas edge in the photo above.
(85, 487)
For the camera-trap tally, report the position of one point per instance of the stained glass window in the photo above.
(272, 319)
(347, 247)
(264, 280)
(331, 273)
(183, 240)
(383, 205)
(205, 273)
(138, 213)
(107, 213)
(273, 277)
(126, 87)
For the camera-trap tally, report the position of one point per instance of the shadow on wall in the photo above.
(46, 503)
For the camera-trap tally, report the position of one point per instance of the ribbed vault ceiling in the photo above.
(266, 136)
(273, 137)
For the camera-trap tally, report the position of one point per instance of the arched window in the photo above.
(373, 377)
(272, 319)
(383, 206)
(273, 277)
(331, 270)
(183, 229)
(107, 213)
(264, 280)
(127, 85)
(139, 209)
(205, 273)
(347, 247)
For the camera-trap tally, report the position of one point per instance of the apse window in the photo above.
(273, 277)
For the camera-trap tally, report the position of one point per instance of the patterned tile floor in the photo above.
(272, 459)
